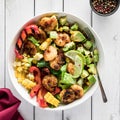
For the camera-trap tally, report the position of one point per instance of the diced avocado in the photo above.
(88, 44)
(80, 82)
(87, 52)
(83, 50)
(65, 28)
(95, 52)
(92, 69)
(91, 79)
(63, 68)
(53, 34)
(63, 20)
(88, 60)
(96, 58)
(66, 80)
(77, 36)
(69, 46)
(96, 55)
(74, 27)
(84, 74)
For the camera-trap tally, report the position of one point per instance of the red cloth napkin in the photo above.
(9, 105)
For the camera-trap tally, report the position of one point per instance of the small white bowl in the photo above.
(11, 57)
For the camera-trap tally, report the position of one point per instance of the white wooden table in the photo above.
(14, 13)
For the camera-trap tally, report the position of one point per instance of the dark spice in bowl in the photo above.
(105, 6)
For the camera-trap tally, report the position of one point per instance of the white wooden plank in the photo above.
(43, 6)
(109, 31)
(79, 8)
(2, 43)
(17, 13)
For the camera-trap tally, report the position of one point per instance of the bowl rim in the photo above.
(63, 107)
(108, 14)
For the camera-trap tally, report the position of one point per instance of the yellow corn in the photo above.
(51, 99)
(19, 69)
(30, 76)
(38, 56)
(45, 44)
(28, 84)
(19, 74)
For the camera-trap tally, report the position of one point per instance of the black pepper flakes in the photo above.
(104, 6)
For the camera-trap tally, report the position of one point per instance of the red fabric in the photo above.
(9, 105)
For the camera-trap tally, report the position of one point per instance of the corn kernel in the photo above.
(28, 84)
(19, 69)
(30, 76)
(51, 99)
(38, 56)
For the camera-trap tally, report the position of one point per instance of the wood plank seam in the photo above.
(5, 43)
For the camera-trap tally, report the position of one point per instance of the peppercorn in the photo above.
(104, 6)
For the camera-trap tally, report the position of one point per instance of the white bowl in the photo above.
(24, 93)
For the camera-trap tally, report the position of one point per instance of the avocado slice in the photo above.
(74, 27)
(91, 79)
(92, 69)
(69, 46)
(88, 44)
(84, 74)
(88, 59)
(77, 36)
(63, 20)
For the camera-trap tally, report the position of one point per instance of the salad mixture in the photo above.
(55, 61)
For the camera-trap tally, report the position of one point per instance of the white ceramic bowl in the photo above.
(11, 57)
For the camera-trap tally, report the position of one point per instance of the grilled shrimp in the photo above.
(29, 48)
(45, 71)
(58, 61)
(62, 39)
(67, 96)
(48, 23)
(78, 90)
(50, 53)
(49, 82)
(41, 36)
(70, 68)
